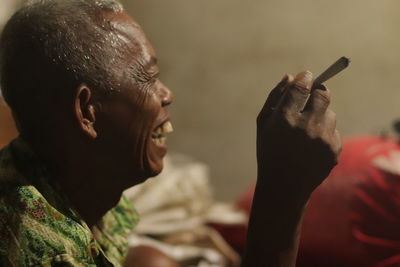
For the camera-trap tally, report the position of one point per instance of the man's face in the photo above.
(134, 122)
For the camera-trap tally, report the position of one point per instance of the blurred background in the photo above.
(221, 58)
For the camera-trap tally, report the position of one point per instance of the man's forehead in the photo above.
(130, 33)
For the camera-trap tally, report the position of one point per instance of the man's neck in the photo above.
(91, 190)
(90, 196)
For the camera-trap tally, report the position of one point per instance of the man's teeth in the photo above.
(167, 127)
(159, 140)
(159, 133)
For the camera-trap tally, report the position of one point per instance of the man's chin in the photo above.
(155, 169)
(153, 166)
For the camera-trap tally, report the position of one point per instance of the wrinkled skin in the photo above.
(297, 146)
(97, 147)
(296, 132)
(125, 122)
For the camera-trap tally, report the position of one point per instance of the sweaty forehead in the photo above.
(132, 35)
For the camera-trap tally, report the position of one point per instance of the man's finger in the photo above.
(296, 95)
(337, 148)
(319, 101)
(276, 94)
(330, 117)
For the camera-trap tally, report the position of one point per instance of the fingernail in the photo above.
(304, 79)
(320, 87)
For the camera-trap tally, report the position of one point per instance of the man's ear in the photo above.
(84, 111)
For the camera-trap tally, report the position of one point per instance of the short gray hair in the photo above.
(50, 46)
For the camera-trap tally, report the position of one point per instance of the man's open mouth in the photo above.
(159, 134)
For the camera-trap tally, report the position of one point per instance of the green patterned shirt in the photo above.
(40, 227)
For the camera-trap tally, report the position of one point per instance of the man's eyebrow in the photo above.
(153, 61)
(150, 65)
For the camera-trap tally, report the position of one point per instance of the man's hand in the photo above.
(297, 140)
(297, 146)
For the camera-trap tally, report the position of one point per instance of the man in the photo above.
(82, 81)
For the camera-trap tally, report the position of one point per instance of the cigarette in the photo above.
(334, 69)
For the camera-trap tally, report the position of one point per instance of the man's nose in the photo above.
(166, 96)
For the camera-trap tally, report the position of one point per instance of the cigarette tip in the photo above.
(346, 60)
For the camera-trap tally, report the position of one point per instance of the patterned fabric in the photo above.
(40, 227)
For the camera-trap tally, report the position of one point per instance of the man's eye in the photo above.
(153, 80)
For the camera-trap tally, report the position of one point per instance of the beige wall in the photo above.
(6, 9)
(222, 57)
(7, 128)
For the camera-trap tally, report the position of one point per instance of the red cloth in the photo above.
(353, 218)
